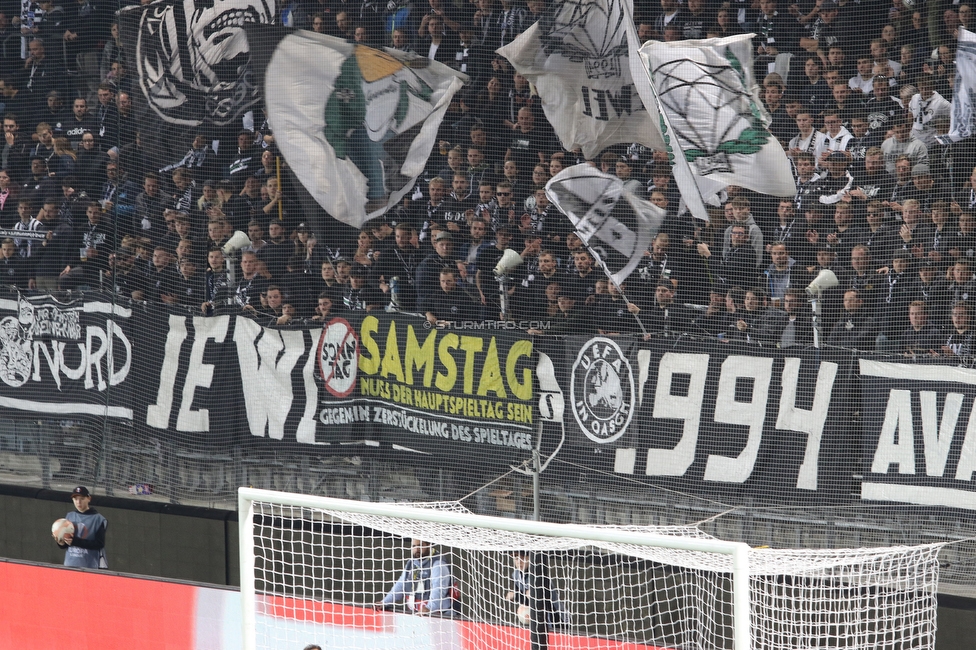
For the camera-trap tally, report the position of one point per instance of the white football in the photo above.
(523, 614)
(908, 4)
(62, 527)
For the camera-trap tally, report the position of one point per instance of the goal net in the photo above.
(348, 574)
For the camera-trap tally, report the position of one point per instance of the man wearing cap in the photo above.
(358, 296)
(428, 271)
(901, 143)
(827, 31)
(86, 546)
(925, 189)
(426, 585)
(927, 287)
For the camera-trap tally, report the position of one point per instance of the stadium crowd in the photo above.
(858, 93)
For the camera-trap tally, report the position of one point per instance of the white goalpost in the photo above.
(346, 574)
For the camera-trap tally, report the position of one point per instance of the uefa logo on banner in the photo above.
(602, 388)
(339, 357)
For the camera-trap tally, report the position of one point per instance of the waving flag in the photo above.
(613, 222)
(582, 56)
(706, 89)
(961, 125)
(356, 124)
(191, 56)
(577, 55)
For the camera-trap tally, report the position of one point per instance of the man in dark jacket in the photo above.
(855, 329)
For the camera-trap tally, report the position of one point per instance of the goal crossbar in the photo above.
(738, 551)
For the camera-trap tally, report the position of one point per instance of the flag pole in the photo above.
(620, 290)
(281, 207)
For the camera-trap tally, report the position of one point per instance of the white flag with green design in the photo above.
(356, 124)
(708, 91)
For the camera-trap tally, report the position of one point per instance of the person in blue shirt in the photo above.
(86, 546)
(426, 585)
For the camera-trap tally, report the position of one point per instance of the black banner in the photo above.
(919, 433)
(67, 359)
(710, 418)
(216, 382)
(750, 424)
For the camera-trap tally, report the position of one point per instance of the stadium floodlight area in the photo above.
(316, 570)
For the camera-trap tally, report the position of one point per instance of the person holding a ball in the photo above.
(86, 546)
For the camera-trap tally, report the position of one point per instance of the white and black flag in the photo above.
(193, 58)
(612, 221)
(576, 56)
(964, 92)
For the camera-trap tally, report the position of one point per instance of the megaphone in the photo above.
(510, 259)
(826, 279)
(237, 241)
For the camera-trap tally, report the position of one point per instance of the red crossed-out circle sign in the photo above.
(339, 357)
